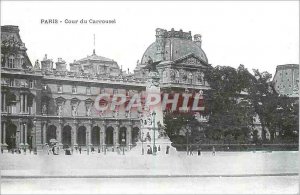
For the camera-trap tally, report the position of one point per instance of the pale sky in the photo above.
(257, 34)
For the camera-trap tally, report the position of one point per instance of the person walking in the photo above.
(167, 149)
(79, 149)
(47, 148)
(191, 151)
(213, 151)
(199, 151)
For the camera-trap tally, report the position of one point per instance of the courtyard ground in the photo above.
(227, 172)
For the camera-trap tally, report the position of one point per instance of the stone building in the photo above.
(40, 103)
(286, 80)
(182, 60)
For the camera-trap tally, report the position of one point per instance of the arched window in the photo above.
(190, 78)
(2, 60)
(164, 76)
(11, 61)
(172, 75)
(74, 89)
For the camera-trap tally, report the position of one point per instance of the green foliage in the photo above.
(175, 121)
(235, 98)
(230, 114)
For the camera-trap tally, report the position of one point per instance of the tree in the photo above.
(177, 124)
(230, 114)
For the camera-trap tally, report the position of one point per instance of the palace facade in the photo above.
(286, 80)
(40, 103)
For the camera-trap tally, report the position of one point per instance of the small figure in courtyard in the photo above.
(53, 150)
(159, 148)
(199, 151)
(213, 151)
(154, 149)
(79, 149)
(57, 150)
(68, 150)
(47, 148)
(191, 151)
(167, 149)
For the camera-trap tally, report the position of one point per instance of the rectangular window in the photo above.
(12, 109)
(59, 88)
(3, 102)
(11, 63)
(74, 89)
(11, 82)
(31, 84)
(88, 90)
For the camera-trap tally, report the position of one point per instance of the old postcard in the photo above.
(170, 97)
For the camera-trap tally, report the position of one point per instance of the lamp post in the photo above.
(34, 145)
(123, 142)
(88, 145)
(154, 147)
(187, 141)
(187, 137)
(142, 143)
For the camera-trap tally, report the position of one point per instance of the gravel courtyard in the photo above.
(227, 172)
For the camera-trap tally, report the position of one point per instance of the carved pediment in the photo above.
(60, 100)
(75, 101)
(190, 59)
(89, 101)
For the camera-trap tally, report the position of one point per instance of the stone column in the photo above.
(38, 135)
(26, 106)
(33, 106)
(21, 134)
(4, 102)
(88, 137)
(129, 137)
(4, 133)
(116, 137)
(34, 135)
(102, 136)
(25, 134)
(44, 134)
(59, 132)
(18, 136)
(21, 103)
(74, 134)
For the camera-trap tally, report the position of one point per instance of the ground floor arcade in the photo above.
(85, 133)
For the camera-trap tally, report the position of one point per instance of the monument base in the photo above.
(163, 147)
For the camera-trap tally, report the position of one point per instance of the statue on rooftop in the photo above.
(151, 66)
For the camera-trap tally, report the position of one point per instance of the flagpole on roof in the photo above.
(94, 52)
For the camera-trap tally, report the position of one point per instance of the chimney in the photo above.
(61, 65)
(47, 64)
(160, 44)
(198, 40)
